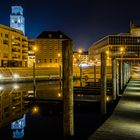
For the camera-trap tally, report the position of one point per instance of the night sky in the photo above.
(84, 21)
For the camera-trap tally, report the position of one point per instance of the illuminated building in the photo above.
(123, 45)
(13, 106)
(14, 47)
(48, 48)
(17, 20)
(80, 58)
(18, 127)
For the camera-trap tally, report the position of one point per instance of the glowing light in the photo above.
(15, 86)
(35, 109)
(121, 49)
(1, 76)
(59, 95)
(15, 76)
(1, 88)
(59, 55)
(107, 52)
(108, 98)
(80, 50)
(84, 65)
(35, 49)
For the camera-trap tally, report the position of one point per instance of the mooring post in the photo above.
(80, 75)
(114, 79)
(117, 75)
(103, 83)
(121, 75)
(68, 105)
(34, 78)
(94, 75)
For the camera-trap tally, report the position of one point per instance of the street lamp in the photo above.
(34, 69)
(59, 55)
(122, 49)
(79, 55)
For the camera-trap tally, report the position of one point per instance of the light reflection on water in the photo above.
(13, 106)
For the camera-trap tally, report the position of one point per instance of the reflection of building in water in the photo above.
(18, 127)
(12, 104)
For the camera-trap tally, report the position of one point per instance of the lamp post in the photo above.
(79, 55)
(59, 55)
(121, 68)
(95, 73)
(34, 69)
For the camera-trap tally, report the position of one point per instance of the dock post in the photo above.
(68, 105)
(114, 72)
(103, 83)
(94, 75)
(121, 75)
(117, 78)
(80, 75)
(34, 78)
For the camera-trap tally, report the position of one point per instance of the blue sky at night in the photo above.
(84, 21)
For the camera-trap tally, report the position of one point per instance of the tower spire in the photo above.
(17, 20)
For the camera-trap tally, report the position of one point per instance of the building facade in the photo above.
(17, 20)
(14, 47)
(124, 46)
(80, 58)
(46, 49)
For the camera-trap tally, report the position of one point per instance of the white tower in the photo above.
(17, 20)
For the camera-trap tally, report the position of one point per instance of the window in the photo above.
(39, 60)
(50, 60)
(6, 35)
(45, 60)
(5, 42)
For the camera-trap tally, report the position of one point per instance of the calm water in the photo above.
(21, 118)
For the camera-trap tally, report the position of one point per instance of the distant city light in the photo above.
(1, 76)
(1, 88)
(84, 65)
(15, 86)
(35, 109)
(15, 76)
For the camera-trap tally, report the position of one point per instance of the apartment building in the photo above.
(46, 49)
(13, 47)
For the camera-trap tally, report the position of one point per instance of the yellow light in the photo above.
(80, 51)
(35, 109)
(59, 95)
(108, 98)
(35, 49)
(121, 49)
(107, 52)
(59, 55)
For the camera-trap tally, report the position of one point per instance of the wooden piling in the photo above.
(103, 83)
(114, 74)
(68, 105)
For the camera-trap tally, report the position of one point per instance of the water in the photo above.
(22, 118)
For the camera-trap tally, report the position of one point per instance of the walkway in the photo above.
(124, 123)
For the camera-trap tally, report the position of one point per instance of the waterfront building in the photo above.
(80, 58)
(14, 47)
(46, 49)
(17, 20)
(123, 45)
(12, 105)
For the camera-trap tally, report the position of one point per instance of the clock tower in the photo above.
(17, 20)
